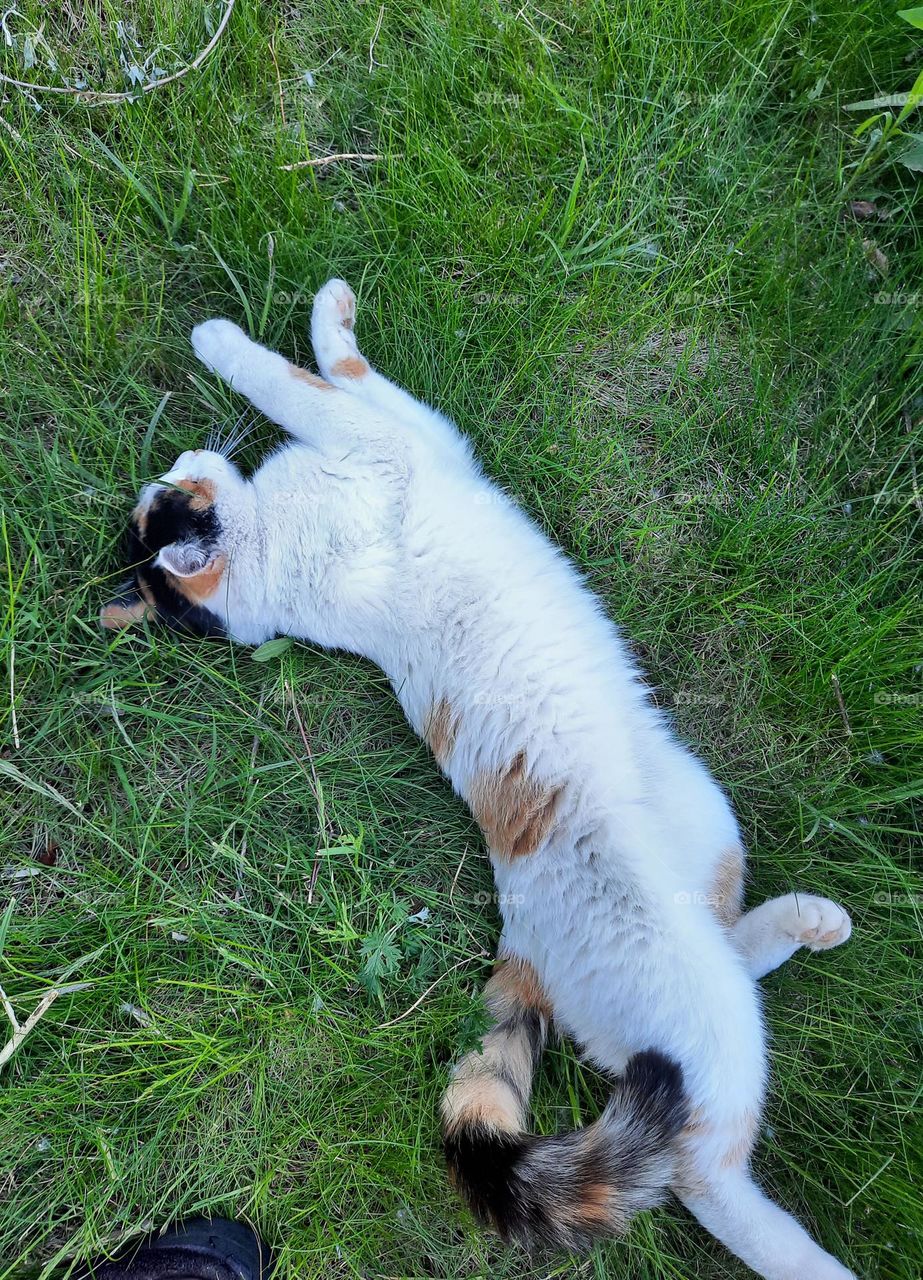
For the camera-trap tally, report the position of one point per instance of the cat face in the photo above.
(178, 547)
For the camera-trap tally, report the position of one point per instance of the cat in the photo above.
(617, 858)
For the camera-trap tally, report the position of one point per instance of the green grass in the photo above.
(613, 242)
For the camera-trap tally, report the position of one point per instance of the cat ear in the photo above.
(125, 610)
(183, 559)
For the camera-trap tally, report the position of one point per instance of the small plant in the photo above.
(884, 132)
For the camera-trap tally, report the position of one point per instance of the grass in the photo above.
(614, 242)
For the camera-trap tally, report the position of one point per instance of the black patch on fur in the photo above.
(174, 609)
(127, 594)
(171, 518)
(536, 1028)
(656, 1086)
(483, 1163)
(533, 1200)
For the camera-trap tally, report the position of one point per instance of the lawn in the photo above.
(639, 254)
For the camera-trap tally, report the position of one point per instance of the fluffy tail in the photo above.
(562, 1191)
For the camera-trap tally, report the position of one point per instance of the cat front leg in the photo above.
(307, 406)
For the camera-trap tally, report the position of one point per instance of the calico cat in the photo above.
(616, 855)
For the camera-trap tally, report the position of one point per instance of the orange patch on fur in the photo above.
(480, 1098)
(350, 367)
(203, 493)
(739, 1152)
(739, 1141)
(201, 585)
(594, 1209)
(514, 986)
(116, 617)
(514, 811)
(139, 515)
(347, 312)
(696, 1124)
(311, 379)
(727, 890)
(441, 730)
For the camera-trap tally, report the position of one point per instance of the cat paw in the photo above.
(335, 305)
(818, 923)
(218, 344)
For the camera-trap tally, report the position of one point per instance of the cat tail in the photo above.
(564, 1191)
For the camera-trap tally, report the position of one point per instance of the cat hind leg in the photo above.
(730, 1205)
(771, 933)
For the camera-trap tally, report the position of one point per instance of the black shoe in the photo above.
(198, 1249)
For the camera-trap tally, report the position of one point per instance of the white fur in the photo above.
(377, 532)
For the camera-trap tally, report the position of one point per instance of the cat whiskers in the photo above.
(231, 444)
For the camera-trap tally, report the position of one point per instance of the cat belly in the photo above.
(627, 970)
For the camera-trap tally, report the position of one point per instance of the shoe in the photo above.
(197, 1249)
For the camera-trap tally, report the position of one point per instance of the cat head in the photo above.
(179, 547)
